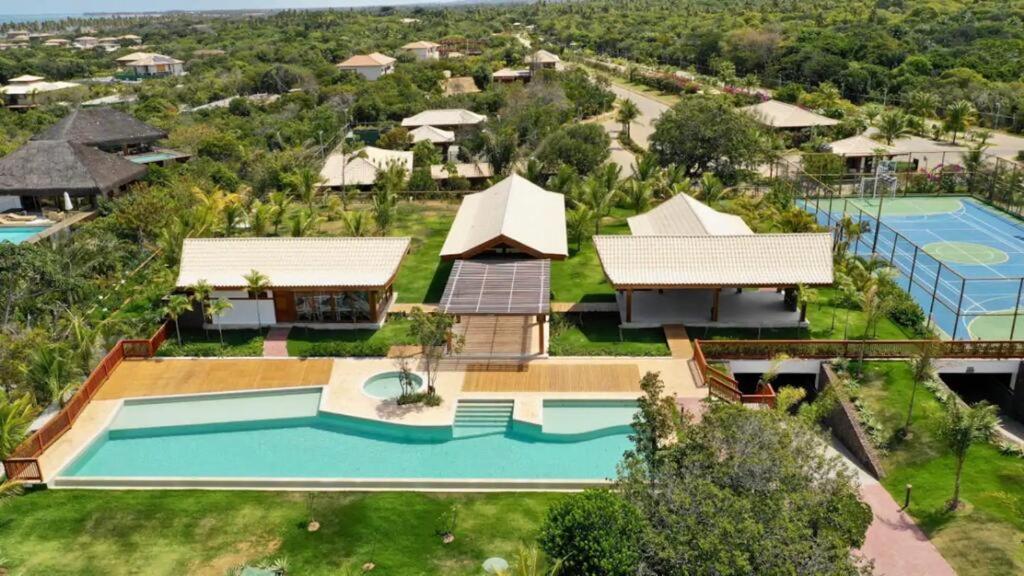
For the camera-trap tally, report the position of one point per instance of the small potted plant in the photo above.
(448, 521)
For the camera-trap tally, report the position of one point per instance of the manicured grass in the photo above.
(310, 342)
(197, 342)
(599, 335)
(580, 278)
(986, 536)
(828, 322)
(82, 533)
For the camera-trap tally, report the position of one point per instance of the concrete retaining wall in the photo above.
(846, 426)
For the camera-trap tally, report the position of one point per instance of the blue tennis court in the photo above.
(961, 260)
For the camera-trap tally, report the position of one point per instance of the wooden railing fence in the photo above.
(23, 463)
(876, 349)
(725, 387)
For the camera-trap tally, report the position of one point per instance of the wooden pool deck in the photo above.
(169, 377)
(557, 378)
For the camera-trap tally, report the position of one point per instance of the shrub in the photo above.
(901, 307)
(594, 532)
(358, 349)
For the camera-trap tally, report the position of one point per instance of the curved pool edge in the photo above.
(328, 484)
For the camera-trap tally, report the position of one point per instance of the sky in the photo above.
(80, 6)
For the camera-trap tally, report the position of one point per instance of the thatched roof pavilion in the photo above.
(104, 128)
(51, 168)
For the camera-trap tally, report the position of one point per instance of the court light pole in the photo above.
(878, 223)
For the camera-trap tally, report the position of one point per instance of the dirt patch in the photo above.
(243, 552)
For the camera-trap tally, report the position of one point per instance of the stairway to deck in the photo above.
(482, 417)
(678, 341)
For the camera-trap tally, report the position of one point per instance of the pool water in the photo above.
(334, 446)
(583, 416)
(387, 385)
(18, 234)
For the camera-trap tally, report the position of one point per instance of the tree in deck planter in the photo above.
(177, 305)
(434, 332)
(257, 283)
(201, 292)
(963, 426)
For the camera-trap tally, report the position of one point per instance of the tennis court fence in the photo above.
(951, 302)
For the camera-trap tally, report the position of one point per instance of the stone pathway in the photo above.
(275, 345)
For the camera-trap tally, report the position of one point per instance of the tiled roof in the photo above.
(292, 262)
(460, 85)
(433, 135)
(782, 115)
(684, 215)
(362, 166)
(694, 261)
(420, 45)
(859, 145)
(464, 169)
(444, 117)
(514, 209)
(153, 60)
(543, 57)
(367, 61)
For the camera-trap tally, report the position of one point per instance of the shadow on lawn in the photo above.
(437, 283)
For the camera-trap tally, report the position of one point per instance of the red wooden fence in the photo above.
(723, 386)
(765, 349)
(23, 463)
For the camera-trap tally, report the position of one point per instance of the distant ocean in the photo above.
(18, 18)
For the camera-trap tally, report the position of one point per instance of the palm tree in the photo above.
(892, 125)
(303, 222)
(201, 292)
(216, 309)
(304, 185)
(645, 167)
(51, 373)
(958, 117)
(356, 223)
(390, 182)
(257, 283)
(628, 112)
(177, 305)
(534, 171)
(609, 175)
(577, 222)
(871, 112)
(261, 217)
(528, 562)
(711, 188)
(923, 104)
(594, 194)
(923, 370)
(16, 415)
(637, 194)
(563, 181)
(962, 426)
(280, 207)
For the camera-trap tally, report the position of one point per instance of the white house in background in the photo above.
(433, 135)
(369, 66)
(544, 60)
(785, 116)
(424, 50)
(25, 91)
(318, 282)
(456, 120)
(86, 42)
(684, 215)
(150, 65)
(360, 168)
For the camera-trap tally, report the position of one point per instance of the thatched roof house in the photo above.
(49, 168)
(105, 128)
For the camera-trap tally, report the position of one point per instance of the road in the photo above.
(640, 129)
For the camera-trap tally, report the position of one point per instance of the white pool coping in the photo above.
(329, 484)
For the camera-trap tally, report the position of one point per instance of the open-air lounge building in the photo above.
(56, 172)
(317, 282)
(502, 242)
(687, 263)
(784, 116)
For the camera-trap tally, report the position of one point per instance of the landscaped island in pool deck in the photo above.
(283, 435)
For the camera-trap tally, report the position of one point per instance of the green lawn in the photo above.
(109, 533)
(580, 278)
(828, 322)
(987, 537)
(310, 342)
(599, 335)
(198, 342)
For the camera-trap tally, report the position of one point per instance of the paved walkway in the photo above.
(679, 341)
(894, 542)
(275, 345)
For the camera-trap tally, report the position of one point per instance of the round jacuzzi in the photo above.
(387, 385)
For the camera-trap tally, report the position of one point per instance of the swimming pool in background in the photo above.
(388, 385)
(18, 234)
(283, 436)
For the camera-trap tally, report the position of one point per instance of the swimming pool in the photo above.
(286, 441)
(18, 234)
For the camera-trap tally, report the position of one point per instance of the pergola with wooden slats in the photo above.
(499, 287)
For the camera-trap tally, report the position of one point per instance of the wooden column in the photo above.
(373, 306)
(714, 305)
(540, 321)
(629, 305)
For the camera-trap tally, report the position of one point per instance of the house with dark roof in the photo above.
(108, 129)
(44, 171)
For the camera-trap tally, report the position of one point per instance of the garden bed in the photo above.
(196, 342)
(309, 342)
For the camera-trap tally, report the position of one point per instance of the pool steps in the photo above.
(480, 417)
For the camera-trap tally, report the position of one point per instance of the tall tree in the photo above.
(257, 283)
(962, 427)
(922, 371)
(627, 113)
(177, 305)
(892, 125)
(958, 117)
